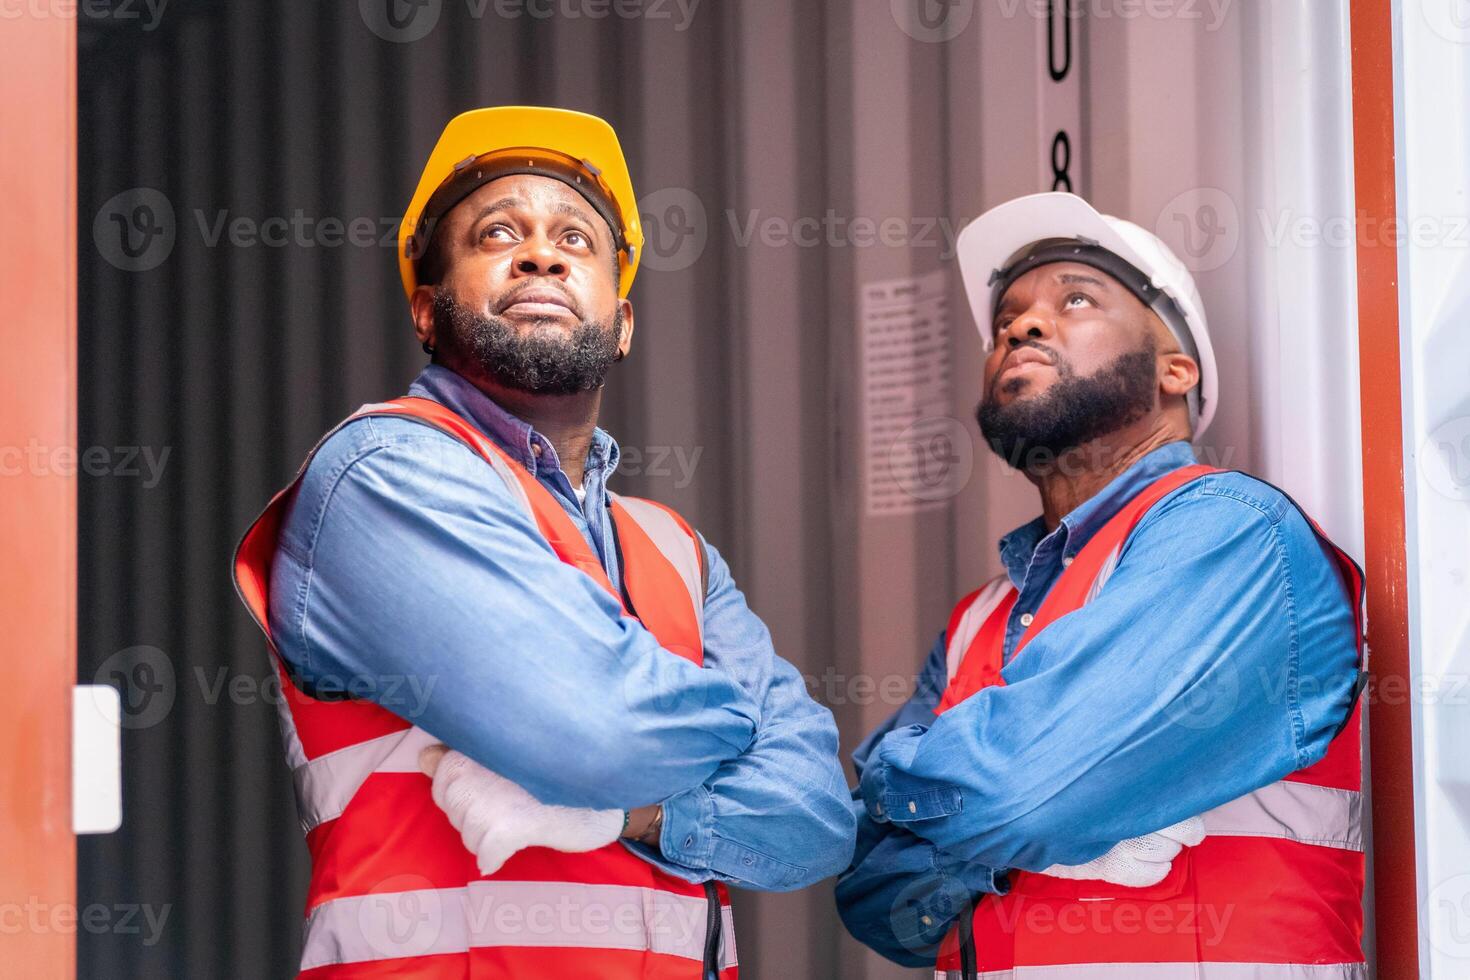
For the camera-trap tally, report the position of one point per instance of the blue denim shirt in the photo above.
(407, 574)
(1218, 657)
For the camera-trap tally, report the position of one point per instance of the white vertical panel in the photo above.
(1302, 314)
(1433, 108)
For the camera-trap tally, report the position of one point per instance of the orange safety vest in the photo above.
(393, 891)
(1273, 893)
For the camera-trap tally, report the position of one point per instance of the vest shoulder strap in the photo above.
(667, 531)
(430, 413)
(969, 615)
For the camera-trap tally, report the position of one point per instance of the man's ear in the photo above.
(625, 342)
(421, 304)
(1179, 374)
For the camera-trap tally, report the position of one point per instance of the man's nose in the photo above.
(538, 257)
(1034, 324)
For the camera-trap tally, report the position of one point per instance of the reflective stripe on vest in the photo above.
(1173, 971)
(674, 538)
(384, 857)
(496, 914)
(1281, 869)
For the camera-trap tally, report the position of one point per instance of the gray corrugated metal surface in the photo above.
(233, 358)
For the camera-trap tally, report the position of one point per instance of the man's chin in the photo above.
(1014, 391)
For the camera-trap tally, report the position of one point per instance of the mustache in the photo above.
(1052, 357)
(514, 295)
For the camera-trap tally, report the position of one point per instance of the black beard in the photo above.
(1033, 434)
(534, 363)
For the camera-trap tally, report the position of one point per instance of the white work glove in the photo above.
(496, 818)
(1138, 861)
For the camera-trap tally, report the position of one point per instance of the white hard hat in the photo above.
(997, 246)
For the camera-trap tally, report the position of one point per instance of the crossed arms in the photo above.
(1219, 657)
(403, 557)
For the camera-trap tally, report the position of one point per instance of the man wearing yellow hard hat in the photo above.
(533, 726)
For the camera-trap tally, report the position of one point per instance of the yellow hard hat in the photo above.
(483, 144)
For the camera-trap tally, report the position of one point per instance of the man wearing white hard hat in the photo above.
(1135, 753)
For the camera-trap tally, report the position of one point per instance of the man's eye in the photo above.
(576, 239)
(497, 232)
(1075, 297)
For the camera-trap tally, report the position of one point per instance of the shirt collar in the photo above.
(515, 436)
(1078, 527)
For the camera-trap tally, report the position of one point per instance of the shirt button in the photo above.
(913, 807)
(926, 920)
(1066, 561)
(1026, 619)
(535, 449)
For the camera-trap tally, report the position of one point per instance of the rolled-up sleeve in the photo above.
(777, 816)
(408, 575)
(1219, 657)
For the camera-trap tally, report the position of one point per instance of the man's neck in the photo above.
(1079, 474)
(567, 421)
